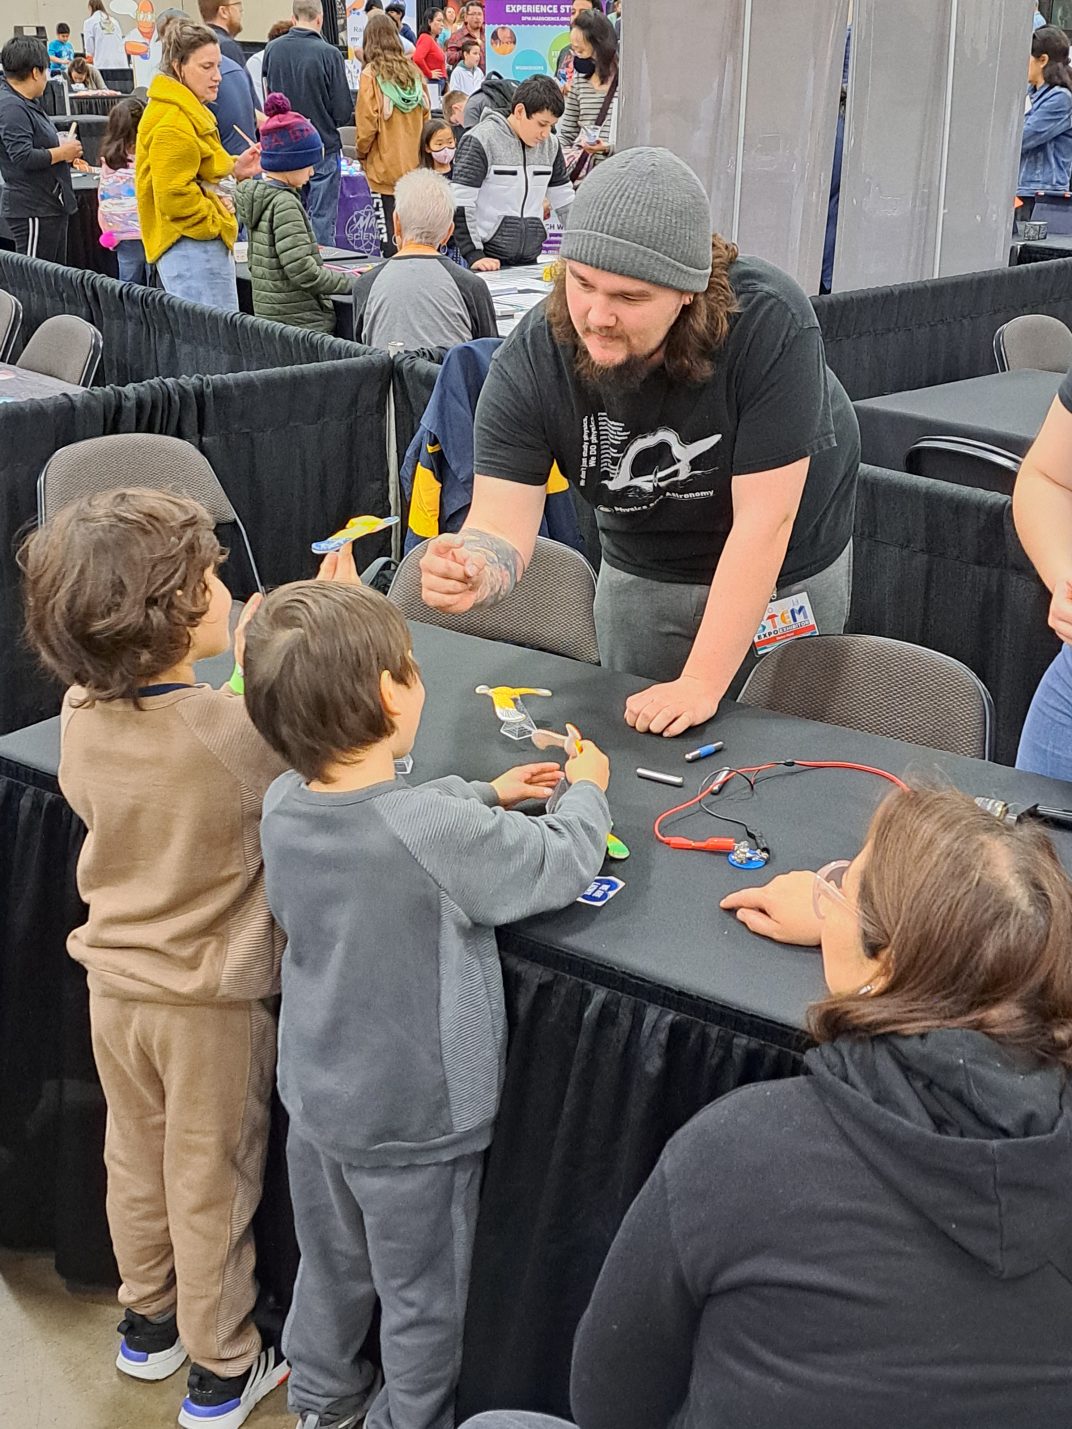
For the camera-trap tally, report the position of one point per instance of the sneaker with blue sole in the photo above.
(149, 1349)
(215, 1403)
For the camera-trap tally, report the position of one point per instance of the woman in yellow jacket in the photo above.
(392, 105)
(183, 176)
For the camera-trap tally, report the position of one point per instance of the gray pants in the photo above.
(647, 627)
(516, 1419)
(402, 1233)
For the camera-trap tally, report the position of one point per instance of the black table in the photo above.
(624, 1021)
(1005, 409)
(17, 384)
(1042, 250)
(84, 248)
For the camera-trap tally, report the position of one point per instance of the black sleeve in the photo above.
(476, 295)
(266, 70)
(342, 101)
(17, 133)
(509, 439)
(470, 171)
(362, 291)
(632, 1358)
(783, 395)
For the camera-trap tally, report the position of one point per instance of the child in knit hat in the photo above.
(290, 282)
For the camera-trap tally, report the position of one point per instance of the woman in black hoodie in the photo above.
(886, 1241)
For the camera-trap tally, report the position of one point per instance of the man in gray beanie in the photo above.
(683, 390)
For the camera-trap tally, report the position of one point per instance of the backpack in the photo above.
(495, 93)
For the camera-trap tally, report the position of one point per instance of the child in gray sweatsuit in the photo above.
(392, 1031)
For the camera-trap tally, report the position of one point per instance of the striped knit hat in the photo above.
(288, 141)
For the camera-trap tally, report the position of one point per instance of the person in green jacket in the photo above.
(290, 282)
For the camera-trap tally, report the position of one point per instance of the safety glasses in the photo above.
(829, 881)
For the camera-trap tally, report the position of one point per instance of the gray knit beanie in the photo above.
(643, 214)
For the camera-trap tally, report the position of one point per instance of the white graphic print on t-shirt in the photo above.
(637, 472)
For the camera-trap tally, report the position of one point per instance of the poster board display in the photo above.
(526, 37)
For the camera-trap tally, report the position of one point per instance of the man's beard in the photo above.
(612, 379)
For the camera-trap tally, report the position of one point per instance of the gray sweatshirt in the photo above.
(392, 1033)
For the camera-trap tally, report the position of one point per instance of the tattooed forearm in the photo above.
(504, 566)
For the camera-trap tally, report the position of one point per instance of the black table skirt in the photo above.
(603, 1068)
(83, 236)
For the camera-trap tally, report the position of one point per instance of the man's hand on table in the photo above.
(486, 265)
(672, 708)
(783, 909)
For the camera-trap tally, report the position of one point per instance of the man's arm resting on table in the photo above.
(765, 506)
(491, 553)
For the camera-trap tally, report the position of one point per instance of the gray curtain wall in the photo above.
(752, 105)
(932, 138)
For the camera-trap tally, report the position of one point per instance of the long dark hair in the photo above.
(699, 331)
(972, 921)
(1050, 41)
(121, 133)
(427, 18)
(601, 35)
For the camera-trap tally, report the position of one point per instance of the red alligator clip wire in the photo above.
(702, 846)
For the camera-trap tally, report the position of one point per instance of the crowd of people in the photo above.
(198, 133)
(880, 1240)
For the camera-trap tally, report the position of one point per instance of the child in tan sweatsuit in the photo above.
(182, 955)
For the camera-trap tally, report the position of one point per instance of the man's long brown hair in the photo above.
(698, 333)
(970, 923)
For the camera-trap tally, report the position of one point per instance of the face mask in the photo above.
(444, 156)
(585, 68)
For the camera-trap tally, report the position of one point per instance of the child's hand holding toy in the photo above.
(527, 781)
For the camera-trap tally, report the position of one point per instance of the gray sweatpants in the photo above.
(647, 627)
(516, 1419)
(404, 1234)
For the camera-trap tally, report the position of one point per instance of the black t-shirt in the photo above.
(657, 462)
(1065, 392)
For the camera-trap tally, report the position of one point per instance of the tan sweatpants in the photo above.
(188, 1091)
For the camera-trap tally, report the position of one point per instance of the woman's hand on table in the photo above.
(527, 781)
(672, 708)
(249, 163)
(782, 910)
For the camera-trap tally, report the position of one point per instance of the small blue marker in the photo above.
(704, 751)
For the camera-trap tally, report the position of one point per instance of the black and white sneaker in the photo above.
(149, 1349)
(215, 1403)
(343, 1413)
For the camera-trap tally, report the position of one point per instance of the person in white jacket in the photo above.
(102, 39)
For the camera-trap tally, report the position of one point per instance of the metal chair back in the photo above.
(137, 459)
(964, 462)
(65, 347)
(1035, 341)
(551, 609)
(880, 686)
(10, 322)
